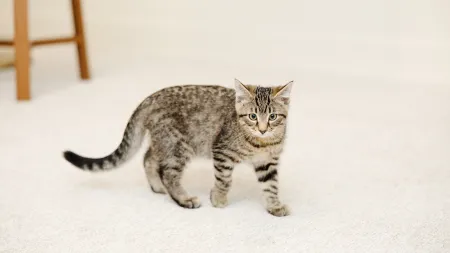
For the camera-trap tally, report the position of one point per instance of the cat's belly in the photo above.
(202, 148)
(204, 152)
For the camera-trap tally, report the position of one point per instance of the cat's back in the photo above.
(193, 105)
(194, 97)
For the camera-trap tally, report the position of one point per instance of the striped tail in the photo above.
(132, 139)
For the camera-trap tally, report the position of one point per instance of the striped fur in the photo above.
(188, 121)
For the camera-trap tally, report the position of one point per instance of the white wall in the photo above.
(402, 40)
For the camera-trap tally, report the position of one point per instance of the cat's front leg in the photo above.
(267, 174)
(223, 170)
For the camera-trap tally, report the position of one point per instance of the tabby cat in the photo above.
(245, 124)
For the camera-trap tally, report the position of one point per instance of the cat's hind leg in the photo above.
(173, 153)
(171, 171)
(151, 167)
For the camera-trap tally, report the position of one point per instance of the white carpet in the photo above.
(366, 168)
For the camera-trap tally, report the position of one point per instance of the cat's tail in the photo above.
(131, 142)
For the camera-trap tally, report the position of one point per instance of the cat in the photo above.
(231, 126)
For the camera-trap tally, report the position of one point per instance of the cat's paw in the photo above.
(279, 211)
(218, 199)
(191, 202)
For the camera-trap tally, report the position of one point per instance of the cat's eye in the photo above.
(252, 116)
(272, 117)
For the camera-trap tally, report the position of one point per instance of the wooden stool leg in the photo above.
(22, 49)
(81, 44)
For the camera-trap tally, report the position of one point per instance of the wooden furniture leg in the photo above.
(22, 49)
(79, 35)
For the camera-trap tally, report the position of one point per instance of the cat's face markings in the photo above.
(266, 107)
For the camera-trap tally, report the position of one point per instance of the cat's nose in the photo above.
(262, 131)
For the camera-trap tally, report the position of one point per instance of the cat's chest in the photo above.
(258, 157)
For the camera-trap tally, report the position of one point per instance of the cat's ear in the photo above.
(242, 91)
(283, 92)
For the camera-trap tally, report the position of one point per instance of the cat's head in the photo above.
(262, 111)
